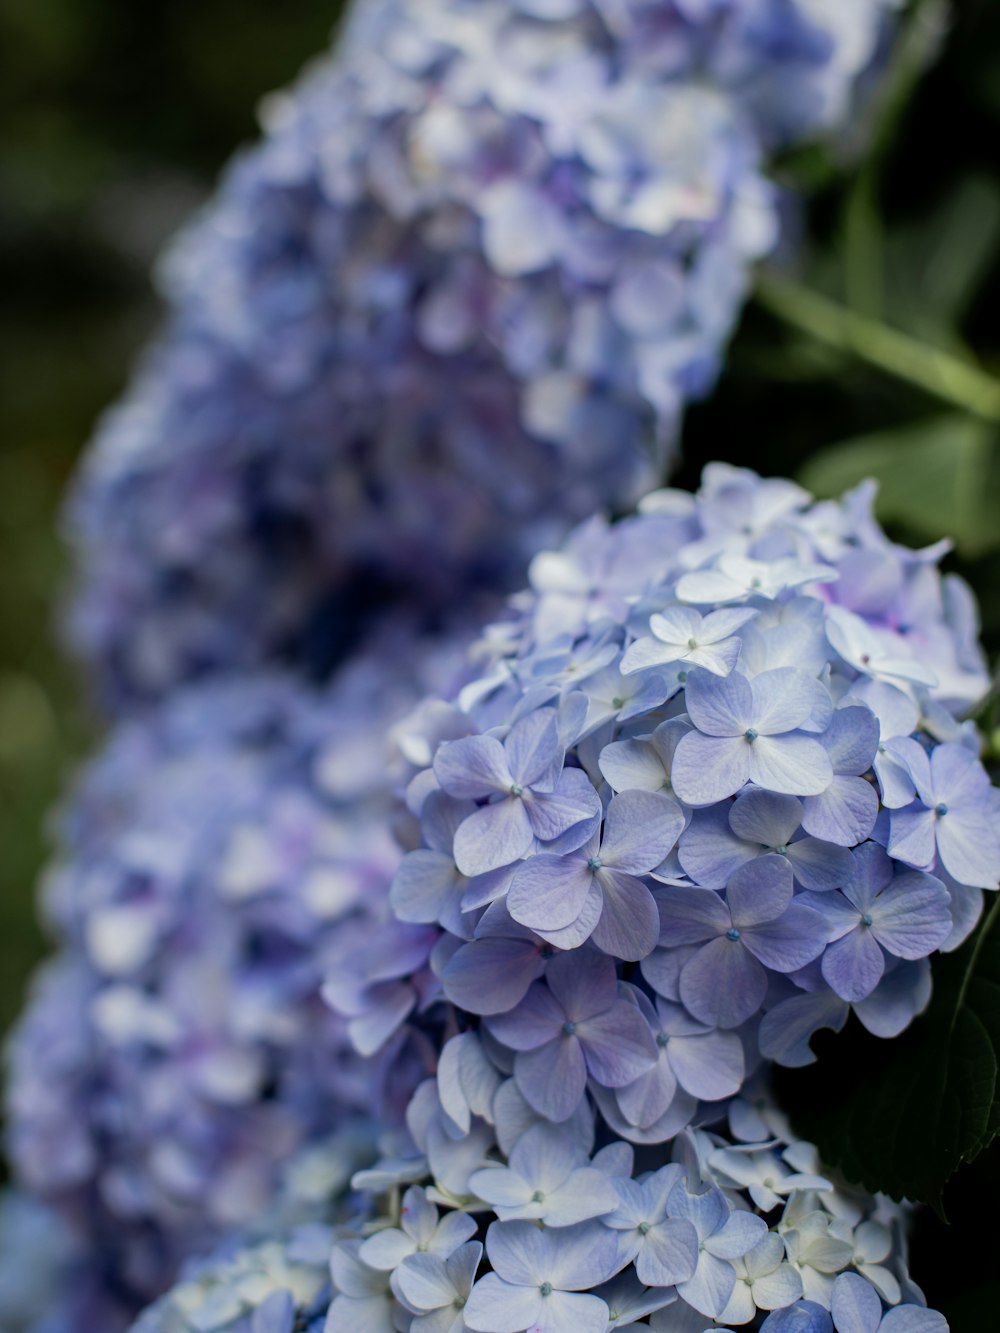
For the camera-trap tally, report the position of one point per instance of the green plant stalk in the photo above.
(927, 368)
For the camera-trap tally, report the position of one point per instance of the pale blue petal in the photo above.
(534, 752)
(967, 845)
(766, 818)
(710, 1288)
(472, 767)
(855, 1305)
(911, 835)
(786, 699)
(819, 865)
(618, 1045)
(913, 1319)
(583, 985)
(709, 851)
(844, 814)
(494, 836)
(629, 925)
(793, 763)
(572, 803)
(632, 765)
(722, 984)
(668, 1254)
(707, 769)
(495, 1306)
(552, 1079)
(549, 891)
(739, 1234)
(853, 965)
(582, 1257)
(689, 916)
(709, 1066)
(760, 890)
(640, 828)
(912, 917)
(491, 976)
(789, 943)
(537, 1020)
(423, 886)
(572, 1312)
(718, 705)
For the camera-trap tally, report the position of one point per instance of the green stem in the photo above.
(930, 369)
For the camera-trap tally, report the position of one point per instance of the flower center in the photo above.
(692, 643)
(662, 1038)
(682, 676)
(781, 851)
(517, 789)
(546, 1288)
(538, 1197)
(642, 1228)
(732, 933)
(940, 809)
(594, 863)
(569, 1029)
(750, 734)
(616, 702)
(866, 920)
(756, 583)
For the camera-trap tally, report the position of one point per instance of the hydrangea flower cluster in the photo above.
(176, 1053)
(735, 1224)
(455, 300)
(696, 806)
(711, 795)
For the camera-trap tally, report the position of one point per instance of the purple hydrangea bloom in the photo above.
(722, 1230)
(457, 296)
(717, 828)
(756, 927)
(573, 1026)
(216, 861)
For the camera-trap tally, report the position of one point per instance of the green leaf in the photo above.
(902, 1117)
(936, 477)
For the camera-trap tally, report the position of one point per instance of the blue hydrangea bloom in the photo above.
(728, 1224)
(730, 833)
(215, 860)
(455, 299)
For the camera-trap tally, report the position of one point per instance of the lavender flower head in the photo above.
(709, 794)
(479, 248)
(176, 1051)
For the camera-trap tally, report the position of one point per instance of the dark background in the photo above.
(114, 119)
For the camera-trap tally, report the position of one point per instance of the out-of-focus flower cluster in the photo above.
(453, 302)
(710, 796)
(37, 1253)
(216, 860)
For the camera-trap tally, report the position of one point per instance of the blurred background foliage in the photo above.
(877, 351)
